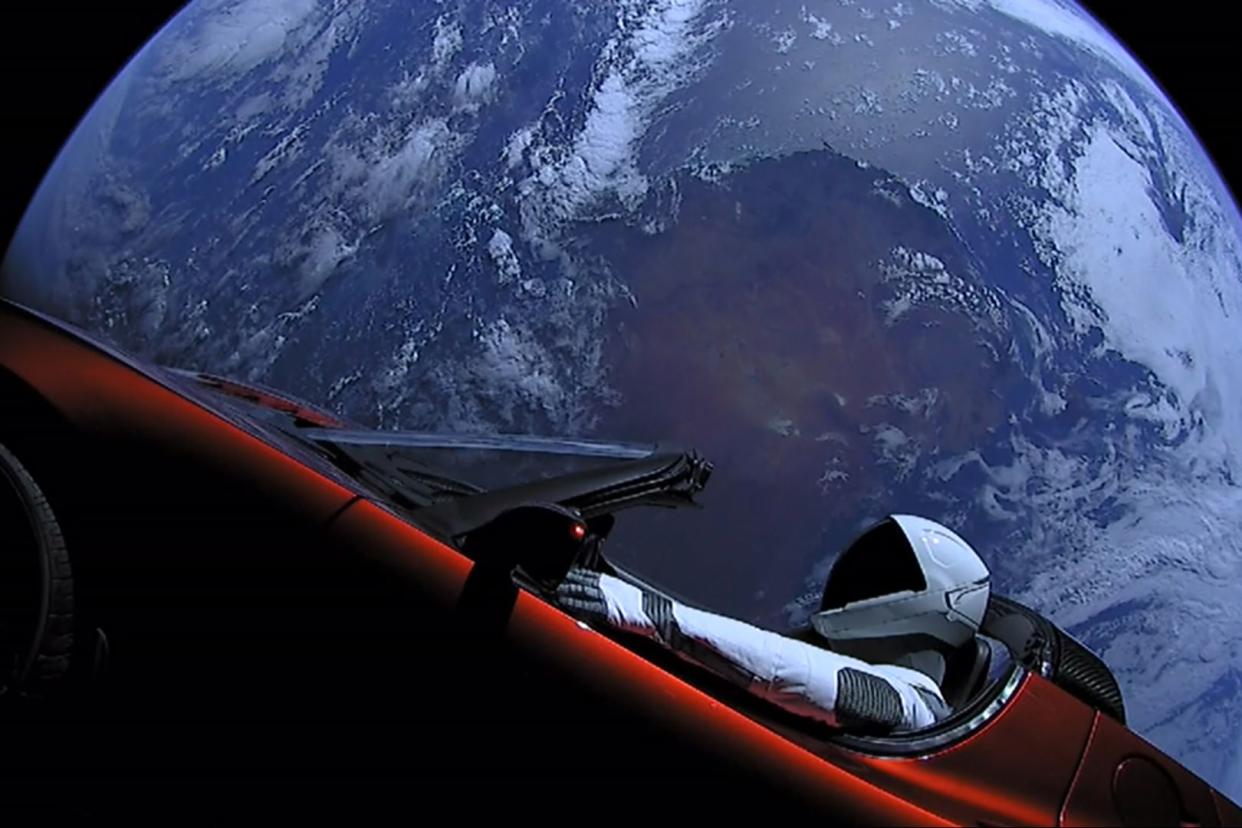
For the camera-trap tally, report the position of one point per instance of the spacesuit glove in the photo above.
(604, 599)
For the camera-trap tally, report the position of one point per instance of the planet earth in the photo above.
(956, 258)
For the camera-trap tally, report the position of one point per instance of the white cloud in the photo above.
(500, 248)
(1165, 304)
(1065, 21)
(234, 38)
(327, 251)
(447, 42)
(654, 55)
(386, 173)
(475, 86)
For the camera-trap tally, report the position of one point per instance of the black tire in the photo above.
(36, 588)
(1060, 657)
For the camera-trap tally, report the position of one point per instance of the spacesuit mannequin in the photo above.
(902, 597)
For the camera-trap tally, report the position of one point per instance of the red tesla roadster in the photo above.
(217, 599)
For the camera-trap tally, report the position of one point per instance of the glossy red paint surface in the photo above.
(112, 401)
(1015, 770)
(1227, 812)
(439, 573)
(1124, 780)
(506, 691)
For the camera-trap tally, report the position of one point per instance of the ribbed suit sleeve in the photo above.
(804, 679)
(808, 680)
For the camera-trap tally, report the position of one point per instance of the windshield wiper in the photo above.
(394, 474)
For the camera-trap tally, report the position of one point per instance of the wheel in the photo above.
(36, 588)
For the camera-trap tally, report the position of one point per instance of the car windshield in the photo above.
(449, 483)
(482, 461)
(437, 465)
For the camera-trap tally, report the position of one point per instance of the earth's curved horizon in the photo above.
(960, 258)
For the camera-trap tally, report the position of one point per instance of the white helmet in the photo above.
(904, 578)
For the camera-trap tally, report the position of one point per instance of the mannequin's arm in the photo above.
(799, 677)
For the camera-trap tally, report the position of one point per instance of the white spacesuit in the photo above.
(903, 596)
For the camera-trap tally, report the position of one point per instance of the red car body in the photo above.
(274, 628)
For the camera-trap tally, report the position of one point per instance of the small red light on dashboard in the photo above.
(578, 531)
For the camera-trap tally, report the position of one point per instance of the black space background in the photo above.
(58, 56)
